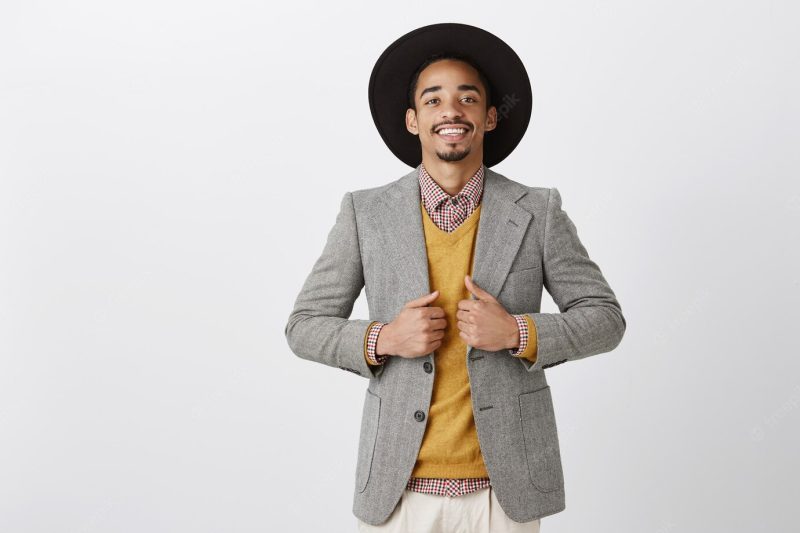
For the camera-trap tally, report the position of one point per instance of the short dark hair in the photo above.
(412, 88)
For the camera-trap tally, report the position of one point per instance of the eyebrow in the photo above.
(462, 87)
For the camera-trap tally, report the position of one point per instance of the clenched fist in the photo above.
(484, 323)
(416, 331)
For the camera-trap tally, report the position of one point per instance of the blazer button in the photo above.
(419, 416)
(428, 367)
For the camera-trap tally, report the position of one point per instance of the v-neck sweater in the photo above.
(449, 461)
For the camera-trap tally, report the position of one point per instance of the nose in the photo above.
(451, 110)
(451, 114)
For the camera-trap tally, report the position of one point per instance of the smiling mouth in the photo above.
(452, 135)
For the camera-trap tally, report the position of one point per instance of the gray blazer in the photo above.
(525, 241)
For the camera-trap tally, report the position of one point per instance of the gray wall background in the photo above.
(153, 156)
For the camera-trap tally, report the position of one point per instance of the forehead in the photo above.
(447, 72)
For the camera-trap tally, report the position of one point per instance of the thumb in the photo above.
(424, 300)
(479, 293)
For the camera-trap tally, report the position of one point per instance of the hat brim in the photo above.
(509, 85)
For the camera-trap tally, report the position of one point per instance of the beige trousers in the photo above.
(476, 512)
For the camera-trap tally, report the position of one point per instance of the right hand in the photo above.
(416, 331)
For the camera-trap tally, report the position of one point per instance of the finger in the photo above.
(463, 315)
(439, 324)
(423, 300)
(433, 312)
(466, 305)
(476, 290)
(471, 287)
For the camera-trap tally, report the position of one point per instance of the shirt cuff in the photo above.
(371, 343)
(527, 338)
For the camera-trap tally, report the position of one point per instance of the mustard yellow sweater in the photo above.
(450, 447)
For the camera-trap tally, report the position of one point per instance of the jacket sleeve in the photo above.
(590, 319)
(319, 328)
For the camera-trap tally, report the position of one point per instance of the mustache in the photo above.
(437, 126)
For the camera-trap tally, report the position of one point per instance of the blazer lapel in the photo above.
(501, 228)
(402, 223)
(500, 231)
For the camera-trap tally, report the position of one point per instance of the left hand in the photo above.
(484, 323)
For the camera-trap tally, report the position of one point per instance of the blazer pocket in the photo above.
(541, 439)
(528, 258)
(370, 417)
(521, 290)
(522, 279)
(523, 269)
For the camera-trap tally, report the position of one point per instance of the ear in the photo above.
(411, 121)
(491, 119)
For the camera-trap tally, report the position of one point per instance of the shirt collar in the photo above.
(433, 195)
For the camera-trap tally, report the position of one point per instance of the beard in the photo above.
(453, 155)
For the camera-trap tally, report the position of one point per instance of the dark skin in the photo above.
(440, 101)
(450, 93)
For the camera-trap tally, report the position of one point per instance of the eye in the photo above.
(470, 98)
(431, 100)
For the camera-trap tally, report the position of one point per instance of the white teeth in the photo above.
(451, 131)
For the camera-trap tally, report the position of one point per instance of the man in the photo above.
(458, 429)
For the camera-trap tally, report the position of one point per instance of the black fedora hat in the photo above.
(509, 87)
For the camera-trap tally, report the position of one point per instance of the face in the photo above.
(450, 96)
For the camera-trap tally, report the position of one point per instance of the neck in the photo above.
(451, 176)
